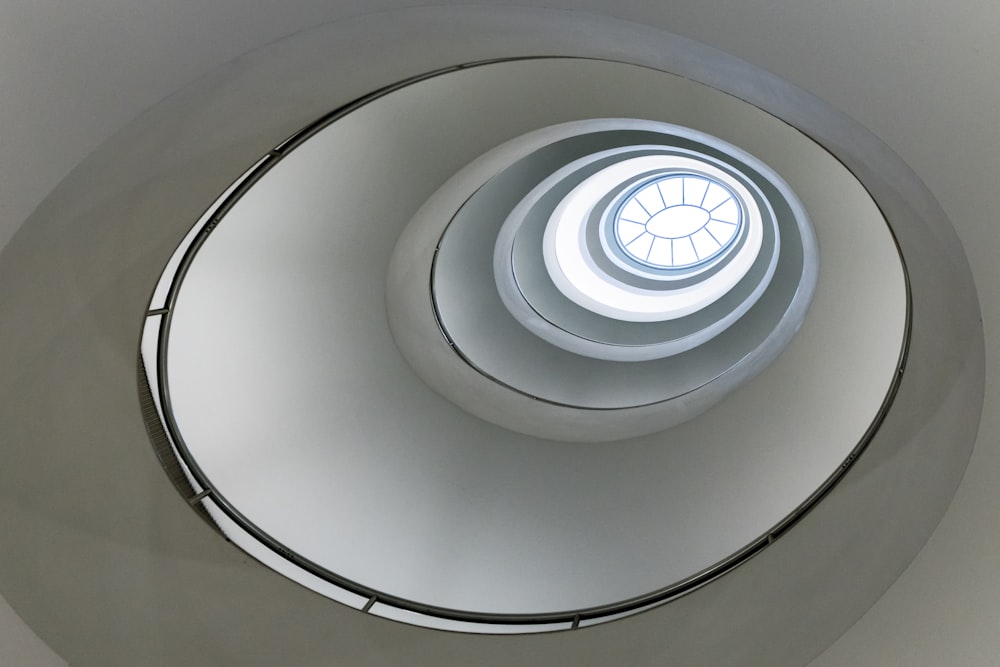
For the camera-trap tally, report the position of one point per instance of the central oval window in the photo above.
(678, 221)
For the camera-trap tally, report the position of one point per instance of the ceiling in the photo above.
(919, 75)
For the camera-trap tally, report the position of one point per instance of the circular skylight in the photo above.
(679, 221)
(576, 273)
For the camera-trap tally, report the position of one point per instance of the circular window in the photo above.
(582, 266)
(677, 222)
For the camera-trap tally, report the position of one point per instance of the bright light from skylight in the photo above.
(679, 221)
(706, 190)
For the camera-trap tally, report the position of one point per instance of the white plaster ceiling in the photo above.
(920, 75)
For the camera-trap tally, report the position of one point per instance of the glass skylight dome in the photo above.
(679, 221)
(686, 232)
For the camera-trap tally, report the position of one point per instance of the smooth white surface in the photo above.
(74, 73)
(284, 401)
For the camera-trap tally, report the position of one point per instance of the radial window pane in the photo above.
(723, 232)
(684, 253)
(629, 231)
(704, 244)
(651, 200)
(694, 190)
(661, 253)
(728, 211)
(715, 196)
(641, 246)
(634, 211)
(672, 191)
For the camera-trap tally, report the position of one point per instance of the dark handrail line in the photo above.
(172, 451)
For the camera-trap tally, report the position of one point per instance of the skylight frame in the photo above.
(635, 210)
